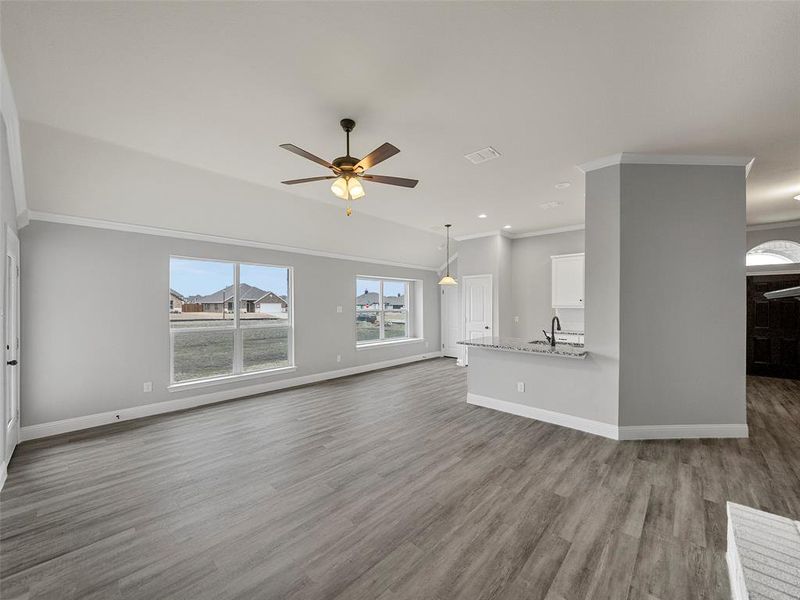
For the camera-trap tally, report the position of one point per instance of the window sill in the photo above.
(382, 343)
(201, 383)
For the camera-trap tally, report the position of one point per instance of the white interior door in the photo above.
(477, 294)
(11, 322)
(451, 325)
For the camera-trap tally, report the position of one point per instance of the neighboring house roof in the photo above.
(272, 298)
(398, 300)
(247, 292)
(367, 298)
(177, 295)
(370, 298)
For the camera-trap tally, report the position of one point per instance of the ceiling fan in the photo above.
(348, 171)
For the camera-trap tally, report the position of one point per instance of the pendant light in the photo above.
(447, 279)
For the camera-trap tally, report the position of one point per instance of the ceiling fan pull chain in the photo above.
(349, 210)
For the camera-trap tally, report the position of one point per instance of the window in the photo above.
(775, 252)
(230, 318)
(382, 310)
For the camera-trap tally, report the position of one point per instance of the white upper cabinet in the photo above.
(568, 281)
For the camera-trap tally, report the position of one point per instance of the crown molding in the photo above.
(633, 158)
(35, 215)
(8, 111)
(565, 229)
(778, 225)
(475, 236)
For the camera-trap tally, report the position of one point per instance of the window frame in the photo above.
(237, 371)
(382, 310)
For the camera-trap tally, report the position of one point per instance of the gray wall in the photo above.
(85, 354)
(8, 217)
(491, 255)
(531, 275)
(683, 312)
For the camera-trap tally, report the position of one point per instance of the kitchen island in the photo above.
(563, 384)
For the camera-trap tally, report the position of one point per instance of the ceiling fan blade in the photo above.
(307, 179)
(380, 154)
(308, 155)
(401, 181)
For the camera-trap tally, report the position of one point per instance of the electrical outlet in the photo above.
(516, 319)
(520, 386)
(338, 309)
(338, 358)
(147, 387)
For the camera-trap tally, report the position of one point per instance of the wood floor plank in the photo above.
(385, 486)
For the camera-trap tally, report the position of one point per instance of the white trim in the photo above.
(677, 432)
(565, 229)
(635, 432)
(779, 225)
(475, 236)
(32, 432)
(390, 342)
(8, 110)
(35, 215)
(633, 158)
(3, 474)
(212, 381)
(596, 427)
(795, 271)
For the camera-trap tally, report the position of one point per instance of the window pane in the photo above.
(396, 324)
(201, 354)
(200, 293)
(263, 295)
(368, 325)
(265, 347)
(394, 295)
(368, 294)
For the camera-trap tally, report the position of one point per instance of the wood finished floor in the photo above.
(385, 486)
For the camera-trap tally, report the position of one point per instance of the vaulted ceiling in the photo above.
(219, 85)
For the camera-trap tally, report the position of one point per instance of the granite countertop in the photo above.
(561, 349)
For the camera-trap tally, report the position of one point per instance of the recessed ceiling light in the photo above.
(506, 226)
(797, 197)
(481, 216)
(549, 205)
(563, 185)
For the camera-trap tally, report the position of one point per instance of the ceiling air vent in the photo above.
(482, 155)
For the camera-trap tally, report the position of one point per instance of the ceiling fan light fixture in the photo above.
(339, 188)
(355, 188)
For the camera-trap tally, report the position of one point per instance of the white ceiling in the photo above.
(219, 85)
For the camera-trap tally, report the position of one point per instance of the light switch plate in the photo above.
(520, 386)
(338, 309)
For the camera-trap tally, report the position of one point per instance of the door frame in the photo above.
(11, 376)
(463, 359)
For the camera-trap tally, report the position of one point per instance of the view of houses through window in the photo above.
(219, 328)
(382, 309)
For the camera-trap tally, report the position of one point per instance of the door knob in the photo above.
(12, 363)
(486, 327)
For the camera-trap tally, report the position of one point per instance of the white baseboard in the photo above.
(596, 427)
(3, 474)
(635, 432)
(41, 430)
(675, 432)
